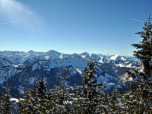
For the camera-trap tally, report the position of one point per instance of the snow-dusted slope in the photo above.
(28, 66)
(17, 57)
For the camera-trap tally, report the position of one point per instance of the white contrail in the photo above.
(136, 20)
(13, 21)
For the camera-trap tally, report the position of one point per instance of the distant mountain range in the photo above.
(23, 68)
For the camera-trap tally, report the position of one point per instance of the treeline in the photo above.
(90, 97)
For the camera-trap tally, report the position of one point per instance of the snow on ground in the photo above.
(79, 70)
(123, 59)
(15, 65)
(83, 56)
(114, 57)
(15, 99)
(101, 60)
(121, 65)
(61, 56)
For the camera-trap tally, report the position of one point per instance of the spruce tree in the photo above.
(52, 100)
(89, 100)
(19, 109)
(5, 99)
(58, 98)
(41, 89)
(115, 101)
(34, 99)
(27, 104)
(143, 80)
(31, 103)
(61, 95)
(45, 106)
(1, 105)
(106, 102)
(124, 98)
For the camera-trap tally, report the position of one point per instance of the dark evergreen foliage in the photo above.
(27, 102)
(19, 109)
(34, 99)
(5, 102)
(61, 95)
(115, 100)
(90, 97)
(41, 89)
(141, 89)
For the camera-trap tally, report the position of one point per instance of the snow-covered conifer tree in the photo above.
(142, 96)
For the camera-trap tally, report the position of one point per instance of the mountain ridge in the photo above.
(26, 67)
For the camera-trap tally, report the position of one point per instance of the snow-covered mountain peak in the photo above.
(84, 53)
(122, 58)
(50, 52)
(77, 61)
(114, 57)
(76, 56)
(31, 51)
(32, 65)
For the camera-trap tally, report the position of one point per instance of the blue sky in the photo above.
(72, 26)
